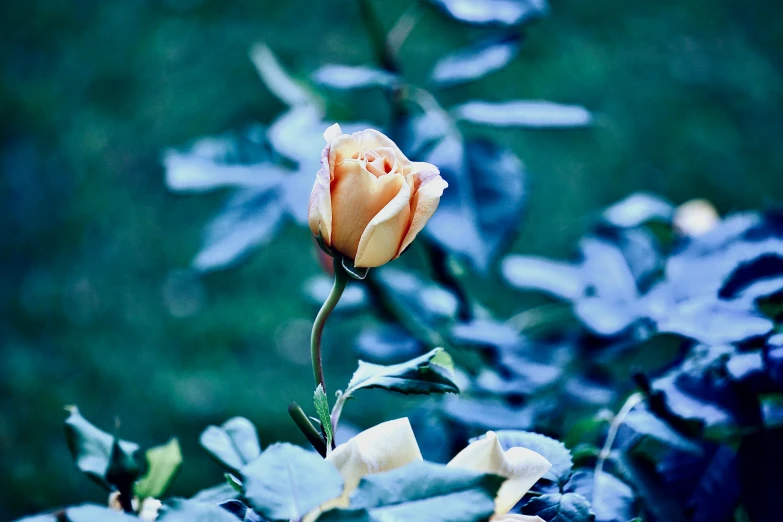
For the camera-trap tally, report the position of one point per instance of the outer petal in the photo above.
(521, 466)
(319, 211)
(357, 197)
(384, 447)
(428, 187)
(380, 241)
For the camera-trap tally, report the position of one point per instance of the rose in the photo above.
(392, 444)
(369, 201)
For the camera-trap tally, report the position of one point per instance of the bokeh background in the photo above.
(98, 305)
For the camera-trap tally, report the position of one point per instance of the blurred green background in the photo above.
(97, 305)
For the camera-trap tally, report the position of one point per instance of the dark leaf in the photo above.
(241, 511)
(286, 482)
(92, 449)
(553, 450)
(422, 491)
(475, 62)
(716, 494)
(481, 208)
(568, 507)
(711, 321)
(760, 459)
(556, 278)
(772, 410)
(387, 343)
(163, 463)
(611, 499)
(250, 219)
(483, 333)
(180, 510)
(646, 424)
(414, 297)
(234, 444)
(95, 513)
(535, 114)
(763, 274)
(638, 209)
(493, 12)
(484, 414)
(429, 373)
(347, 77)
(232, 160)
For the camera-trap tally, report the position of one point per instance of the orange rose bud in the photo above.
(369, 201)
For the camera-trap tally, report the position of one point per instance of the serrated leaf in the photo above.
(347, 77)
(417, 376)
(180, 510)
(476, 61)
(611, 499)
(92, 449)
(163, 463)
(287, 482)
(233, 444)
(422, 491)
(567, 507)
(519, 113)
(551, 449)
(322, 408)
(96, 513)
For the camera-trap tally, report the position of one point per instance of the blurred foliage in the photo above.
(99, 305)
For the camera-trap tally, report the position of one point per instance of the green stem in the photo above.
(377, 35)
(306, 427)
(340, 281)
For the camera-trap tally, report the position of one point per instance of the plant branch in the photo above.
(306, 427)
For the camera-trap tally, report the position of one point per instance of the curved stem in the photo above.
(340, 281)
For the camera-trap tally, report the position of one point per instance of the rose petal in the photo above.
(347, 145)
(332, 132)
(381, 240)
(356, 198)
(319, 210)
(428, 187)
(521, 466)
(387, 446)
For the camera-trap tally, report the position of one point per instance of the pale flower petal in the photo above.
(319, 210)
(428, 187)
(521, 466)
(332, 132)
(381, 240)
(387, 446)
